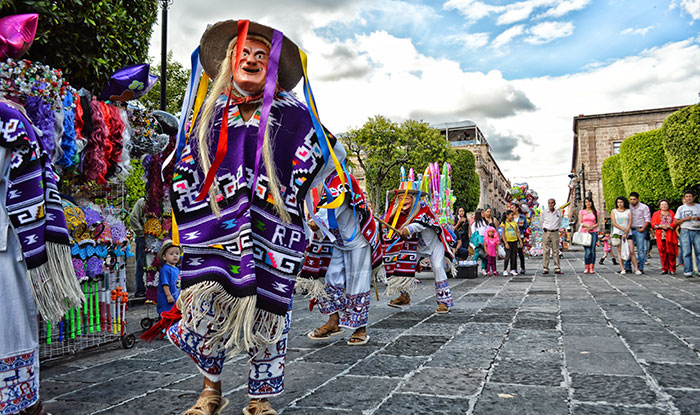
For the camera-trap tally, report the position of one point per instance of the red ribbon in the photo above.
(222, 145)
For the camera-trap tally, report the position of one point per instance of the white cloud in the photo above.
(507, 36)
(549, 31)
(565, 7)
(470, 40)
(511, 13)
(692, 7)
(636, 30)
(473, 10)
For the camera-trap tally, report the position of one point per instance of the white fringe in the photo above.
(237, 323)
(379, 274)
(397, 285)
(54, 284)
(453, 269)
(315, 288)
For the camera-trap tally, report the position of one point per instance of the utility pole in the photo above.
(164, 53)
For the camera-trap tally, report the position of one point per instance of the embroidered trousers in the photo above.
(266, 373)
(348, 283)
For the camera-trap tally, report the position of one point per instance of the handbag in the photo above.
(581, 238)
(624, 250)
(501, 252)
(615, 240)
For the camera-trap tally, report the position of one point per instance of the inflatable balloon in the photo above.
(17, 34)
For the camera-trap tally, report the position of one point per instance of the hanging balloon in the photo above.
(17, 34)
(129, 83)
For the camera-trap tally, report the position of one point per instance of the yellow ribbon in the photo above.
(335, 203)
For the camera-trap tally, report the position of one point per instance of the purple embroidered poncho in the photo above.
(248, 253)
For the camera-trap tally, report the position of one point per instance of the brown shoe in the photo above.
(259, 407)
(442, 309)
(403, 299)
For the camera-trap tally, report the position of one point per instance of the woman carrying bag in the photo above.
(588, 218)
(663, 222)
(622, 223)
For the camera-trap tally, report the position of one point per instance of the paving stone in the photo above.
(675, 375)
(105, 371)
(597, 330)
(431, 329)
(159, 402)
(395, 323)
(307, 411)
(526, 372)
(492, 318)
(687, 401)
(403, 403)
(416, 345)
(606, 363)
(477, 340)
(664, 353)
(343, 392)
(535, 324)
(575, 344)
(302, 376)
(444, 382)
(612, 389)
(521, 400)
(50, 389)
(460, 358)
(49, 371)
(73, 408)
(341, 353)
(453, 317)
(387, 365)
(600, 409)
(120, 389)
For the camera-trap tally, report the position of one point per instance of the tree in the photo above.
(644, 168)
(465, 180)
(380, 147)
(681, 144)
(613, 184)
(89, 39)
(178, 77)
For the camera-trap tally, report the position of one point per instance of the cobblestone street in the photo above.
(532, 344)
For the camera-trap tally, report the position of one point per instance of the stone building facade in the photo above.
(466, 135)
(597, 137)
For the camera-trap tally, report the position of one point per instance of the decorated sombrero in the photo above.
(215, 40)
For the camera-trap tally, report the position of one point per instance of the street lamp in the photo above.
(164, 52)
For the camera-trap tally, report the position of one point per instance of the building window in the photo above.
(616, 146)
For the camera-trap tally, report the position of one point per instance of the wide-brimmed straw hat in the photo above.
(166, 245)
(214, 43)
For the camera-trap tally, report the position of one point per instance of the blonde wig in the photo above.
(224, 80)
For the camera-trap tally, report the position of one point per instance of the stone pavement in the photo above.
(532, 344)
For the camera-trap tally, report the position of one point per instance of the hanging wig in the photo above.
(224, 80)
(58, 117)
(124, 169)
(168, 170)
(69, 133)
(41, 114)
(154, 185)
(108, 145)
(115, 137)
(94, 165)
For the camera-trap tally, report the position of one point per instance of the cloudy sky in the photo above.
(520, 70)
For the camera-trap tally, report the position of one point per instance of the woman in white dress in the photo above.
(622, 223)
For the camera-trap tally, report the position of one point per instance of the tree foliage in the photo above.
(89, 39)
(613, 184)
(381, 147)
(465, 180)
(177, 78)
(681, 131)
(644, 168)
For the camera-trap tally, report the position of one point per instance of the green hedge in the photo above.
(644, 168)
(613, 184)
(681, 132)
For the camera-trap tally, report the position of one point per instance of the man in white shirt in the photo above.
(550, 222)
(688, 218)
